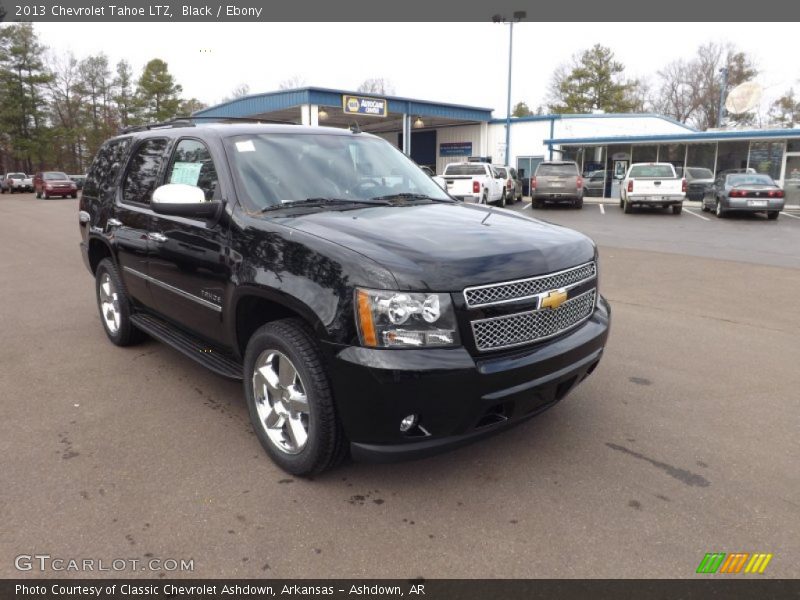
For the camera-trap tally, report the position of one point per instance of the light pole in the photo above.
(516, 18)
(724, 72)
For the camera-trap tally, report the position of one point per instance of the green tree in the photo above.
(65, 101)
(158, 92)
(785, 111)
(96, 87)
(127, 104)
(521, 110)
(593, 81)
(22, 80)
(187, 107)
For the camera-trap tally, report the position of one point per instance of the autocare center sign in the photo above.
(361, 105)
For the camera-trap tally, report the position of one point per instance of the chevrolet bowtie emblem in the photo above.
(553, 299)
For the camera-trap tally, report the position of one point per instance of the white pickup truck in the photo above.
(652, 184)
(475, 182)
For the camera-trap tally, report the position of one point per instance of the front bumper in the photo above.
(458, 397)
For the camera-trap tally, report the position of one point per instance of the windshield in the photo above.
(748, 179)
(54, 175)
(664, 171)
(698, 173)
(278, 168)
(556, 170)
(465, 170)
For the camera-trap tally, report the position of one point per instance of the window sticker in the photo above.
(246, 146)
(186, 172)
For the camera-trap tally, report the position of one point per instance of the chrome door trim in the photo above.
(175, 290)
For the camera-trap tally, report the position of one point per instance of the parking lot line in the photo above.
(790, 215)
(528, 205)
(602, 208)
(694, 214)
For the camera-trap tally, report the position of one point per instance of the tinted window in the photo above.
(513, 173)
(191, 164)
(141, 177)
(464, 170)
(556, 170)
(700, 173)
(53, 175)
(499, 172)
(16, 175)
(663, 171)
(103, 172)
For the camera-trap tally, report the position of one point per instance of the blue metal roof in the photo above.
(268, 102)
(558, 117)
(699, 136)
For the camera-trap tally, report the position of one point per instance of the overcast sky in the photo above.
(459, 62)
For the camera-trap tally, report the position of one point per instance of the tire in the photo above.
(772, 215)
(719, 211)
(502, 202)
(677, 208)
(621, 202)
(114, 306)
(75, 195)
(578, 203)
(626, 207)
(38, 195)
(536, 203)
(485, 198)
(703, 206)
(46, 195)
(289, 344)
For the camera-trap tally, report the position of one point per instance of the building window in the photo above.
(732, 155)
(767, 158)
(672, 153)
(701, 155)
(644, 154)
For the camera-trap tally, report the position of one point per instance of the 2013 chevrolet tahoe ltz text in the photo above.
(363, 308)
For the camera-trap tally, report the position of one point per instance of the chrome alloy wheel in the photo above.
(109, 303)
(281, 401)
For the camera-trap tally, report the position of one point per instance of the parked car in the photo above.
(654, 185)
(78, 179)
(594, 183)
(557, 181)
(752, 192)
(698, 181)
(475, 182)
(14, 182)
(27, 183)
(513, 183)
(390, 320)
(54, 183)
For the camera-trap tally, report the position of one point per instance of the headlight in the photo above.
(404, 319)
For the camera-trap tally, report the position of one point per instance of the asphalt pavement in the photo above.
(683, 441)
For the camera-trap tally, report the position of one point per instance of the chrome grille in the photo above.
(508, 291)
(532, 326)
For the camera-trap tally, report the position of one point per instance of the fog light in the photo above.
(407, 423)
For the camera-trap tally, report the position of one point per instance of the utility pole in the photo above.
(517, 17)
(723, 87)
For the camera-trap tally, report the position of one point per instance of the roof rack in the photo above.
(189, 121)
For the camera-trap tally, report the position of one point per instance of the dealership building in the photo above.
(438, 133)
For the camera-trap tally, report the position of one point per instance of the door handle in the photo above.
(112, 222)
(156, 236)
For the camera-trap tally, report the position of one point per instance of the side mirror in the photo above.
(182, 200)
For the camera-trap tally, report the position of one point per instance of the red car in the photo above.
(54, 183)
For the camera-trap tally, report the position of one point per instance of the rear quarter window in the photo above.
(105, 166)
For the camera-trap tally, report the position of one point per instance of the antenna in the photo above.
(743, 97)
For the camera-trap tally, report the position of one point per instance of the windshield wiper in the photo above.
(410, 196)
(320, 202)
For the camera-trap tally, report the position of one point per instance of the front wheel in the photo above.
(290, 400)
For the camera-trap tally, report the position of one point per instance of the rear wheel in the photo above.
(578, 203)
(39, 194)
(718, 210)
(626, 207)
(290, 400)
(772, 215)
(677, 208)
(114, 307)
(502, 201)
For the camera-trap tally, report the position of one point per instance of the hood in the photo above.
(447, 247)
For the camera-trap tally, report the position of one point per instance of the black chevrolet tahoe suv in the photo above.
(364, 309)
